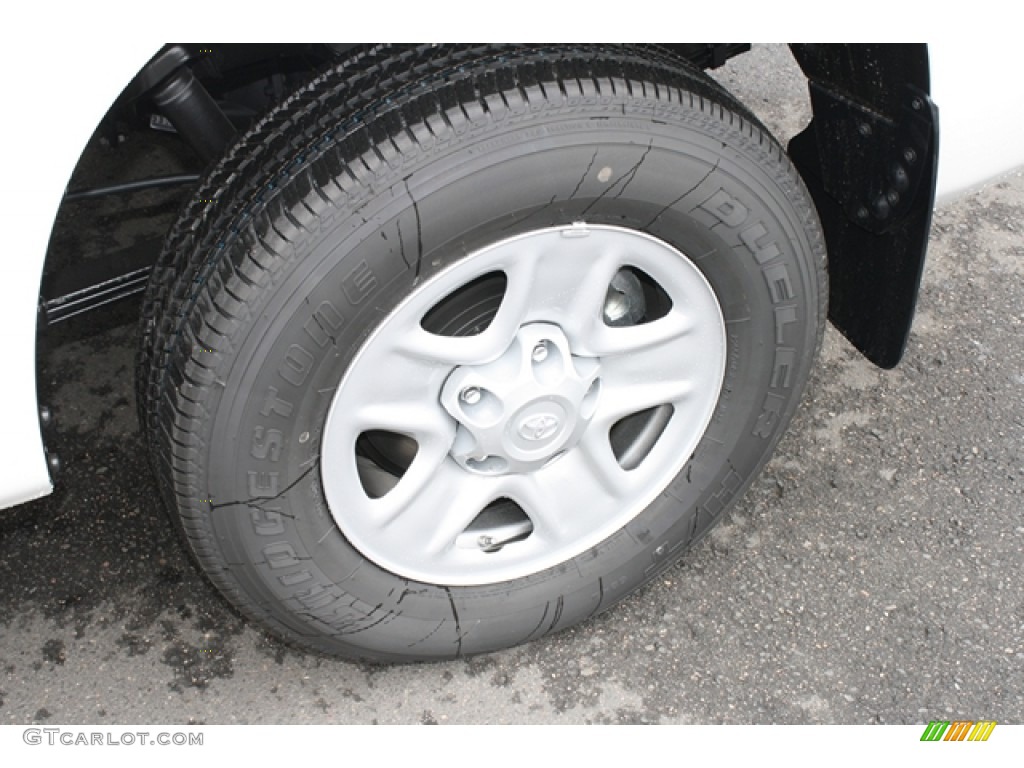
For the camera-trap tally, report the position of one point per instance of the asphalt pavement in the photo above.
(872, 574)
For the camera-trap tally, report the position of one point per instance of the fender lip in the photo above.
(31, 206)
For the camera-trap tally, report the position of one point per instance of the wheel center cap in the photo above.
(517, 413)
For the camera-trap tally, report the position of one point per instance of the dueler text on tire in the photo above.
(468, 360)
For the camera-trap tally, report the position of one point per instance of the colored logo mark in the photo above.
(958, 730)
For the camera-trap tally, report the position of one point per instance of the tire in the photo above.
(477, 345)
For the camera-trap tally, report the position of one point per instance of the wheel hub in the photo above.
(525, 409)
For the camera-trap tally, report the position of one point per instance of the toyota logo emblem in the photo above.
(538, 427)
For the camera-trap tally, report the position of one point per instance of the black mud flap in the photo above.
(869, 159)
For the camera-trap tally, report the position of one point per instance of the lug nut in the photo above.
(540, 352)
(470, 395)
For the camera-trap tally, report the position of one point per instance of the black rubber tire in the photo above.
(375, 177)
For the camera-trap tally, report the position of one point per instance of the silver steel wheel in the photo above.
(545, 415)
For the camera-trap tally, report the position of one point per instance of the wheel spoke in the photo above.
(426, 514)
(596, 470)
(402, 401)
(411, 380)
(548, 506)
(461, 350)
(662, 336)
(663, 374)
(409, 418)
(619, 401)
(569, 499)
(565, 285)
(427, 427)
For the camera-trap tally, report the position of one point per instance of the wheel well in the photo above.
(175, 116)
(186, 104)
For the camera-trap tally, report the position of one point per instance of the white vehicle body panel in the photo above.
(61, 105)
(981, 113)
(980, 137)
